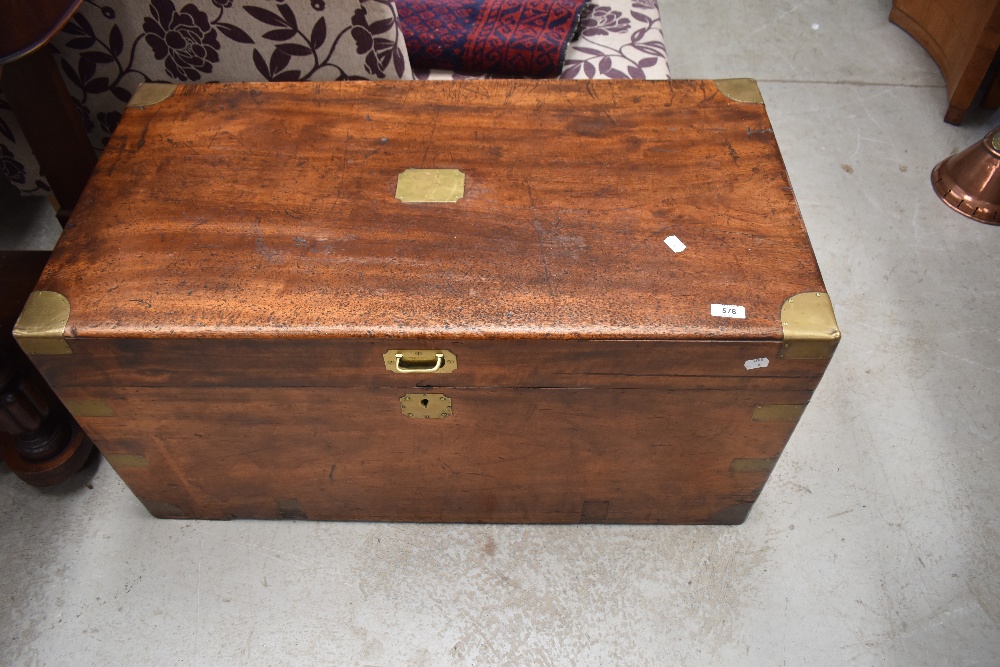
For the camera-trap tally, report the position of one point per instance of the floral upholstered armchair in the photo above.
(109, 47)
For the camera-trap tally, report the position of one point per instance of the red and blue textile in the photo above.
(502, 37)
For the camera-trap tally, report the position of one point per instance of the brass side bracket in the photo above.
(752, 465)
(809, 327)
(126, 460)
(778, 413)
(88, 407)
(740, 90)
(149, 94)
(41, 327)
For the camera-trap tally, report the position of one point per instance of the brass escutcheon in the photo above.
(425, 406)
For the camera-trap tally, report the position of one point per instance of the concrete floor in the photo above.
(876, 541)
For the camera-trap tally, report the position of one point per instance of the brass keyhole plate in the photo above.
(425, 406)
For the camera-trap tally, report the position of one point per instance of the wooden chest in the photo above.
(482, 301)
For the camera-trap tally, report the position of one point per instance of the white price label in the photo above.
(720, 310)
(751, 364)
(674, 244)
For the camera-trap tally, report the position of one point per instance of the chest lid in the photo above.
(644, 210)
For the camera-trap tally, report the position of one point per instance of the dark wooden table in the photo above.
(44, 108)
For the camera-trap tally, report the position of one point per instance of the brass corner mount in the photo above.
(41, 327)
(148, 94)
(740, 90)
(809, 327)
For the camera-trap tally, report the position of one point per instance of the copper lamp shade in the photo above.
(969, 181)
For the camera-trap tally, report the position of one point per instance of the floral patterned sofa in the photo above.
(111, 46)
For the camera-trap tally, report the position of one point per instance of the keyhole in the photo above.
(424, 402)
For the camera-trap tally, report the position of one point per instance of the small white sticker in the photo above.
(756, 363)
(674, 243)
(720, 310)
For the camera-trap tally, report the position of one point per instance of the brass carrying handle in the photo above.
(420, 361)
(421, 366)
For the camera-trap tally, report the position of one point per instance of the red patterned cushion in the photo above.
(509, 37)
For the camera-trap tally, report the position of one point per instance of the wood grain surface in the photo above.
(244, 210)
(279, 362)
(505, 455)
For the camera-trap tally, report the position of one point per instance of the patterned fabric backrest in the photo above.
(111, 46)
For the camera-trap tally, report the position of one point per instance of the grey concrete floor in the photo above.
(876, 541)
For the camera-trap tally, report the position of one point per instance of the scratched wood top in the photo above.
(244, 210)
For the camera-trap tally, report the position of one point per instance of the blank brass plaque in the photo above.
(426, 186)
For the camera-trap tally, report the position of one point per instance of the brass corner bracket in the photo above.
(41, 327)
(740, 90)
(148, 94)
(778, 413)
(809, 327)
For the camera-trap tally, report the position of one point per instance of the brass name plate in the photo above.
(426, 186)
(425, 406)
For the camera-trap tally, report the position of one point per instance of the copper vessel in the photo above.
(969, 181)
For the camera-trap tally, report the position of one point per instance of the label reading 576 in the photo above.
(720, 310)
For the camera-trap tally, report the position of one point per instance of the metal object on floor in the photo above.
(969, 181)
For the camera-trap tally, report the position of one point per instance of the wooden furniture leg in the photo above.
(41, 442)
(991, 101)
(962, 36)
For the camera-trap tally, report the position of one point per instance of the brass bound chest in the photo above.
(483, 301)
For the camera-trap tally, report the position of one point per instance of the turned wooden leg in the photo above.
(41, 441)
(46, 445)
